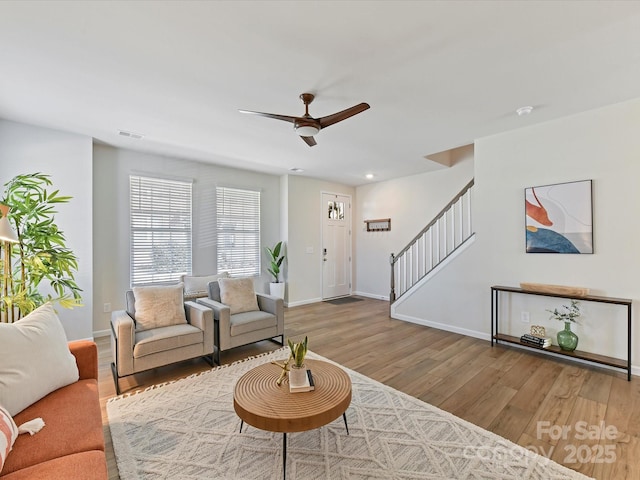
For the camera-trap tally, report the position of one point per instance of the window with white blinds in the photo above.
(160, 230)
(238, 228)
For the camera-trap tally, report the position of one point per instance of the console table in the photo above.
(496, 336)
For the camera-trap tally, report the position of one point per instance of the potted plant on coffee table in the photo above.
(298, 371)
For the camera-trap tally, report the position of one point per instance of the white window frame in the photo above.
(238, 231)
(161, 229)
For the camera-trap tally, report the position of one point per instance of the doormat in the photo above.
(343, 300)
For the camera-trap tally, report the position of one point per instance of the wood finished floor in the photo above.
(503, 389)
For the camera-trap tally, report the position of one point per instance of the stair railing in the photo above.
(435, 242)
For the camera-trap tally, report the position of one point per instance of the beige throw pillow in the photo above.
(197, 286)
(238, 294)
(35, 359)
(159, 306)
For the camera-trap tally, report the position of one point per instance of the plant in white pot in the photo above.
(276, 257)
(298, 372)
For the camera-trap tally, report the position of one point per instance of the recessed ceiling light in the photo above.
(296, 170)
(524, 110)
(369, 176)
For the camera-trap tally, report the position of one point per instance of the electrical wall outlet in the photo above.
(106, 308)
(524, 317)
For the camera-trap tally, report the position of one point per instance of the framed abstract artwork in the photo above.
(559, 218)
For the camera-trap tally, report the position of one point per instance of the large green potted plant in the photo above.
(276, 257)
(40, 256)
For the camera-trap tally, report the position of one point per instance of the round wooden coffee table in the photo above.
(260, 402)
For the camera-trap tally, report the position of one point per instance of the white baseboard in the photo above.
(442, 326)
(101, 333)
(372, 295)
(303, 302)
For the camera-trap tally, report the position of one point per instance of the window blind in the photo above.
(160, 230)
(238, 231)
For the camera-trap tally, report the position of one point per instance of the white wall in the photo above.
(602, 145)
(304, 270)
(112, 168)
(67, 159)
(411, 203)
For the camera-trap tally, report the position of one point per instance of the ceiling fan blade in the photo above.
(286, 118)
(343, 115)
(309, 141)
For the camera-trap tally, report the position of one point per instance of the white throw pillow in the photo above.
(35, 359)
(8, 434)
(238, 294)
(159, 306)
(197, 286)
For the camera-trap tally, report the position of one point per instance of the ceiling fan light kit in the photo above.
(306, 130)
(306, 126)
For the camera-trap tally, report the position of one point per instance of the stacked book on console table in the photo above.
(534, 341)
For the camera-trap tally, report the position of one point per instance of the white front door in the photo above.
(336, 245)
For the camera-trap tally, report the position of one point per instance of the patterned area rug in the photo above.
(188, 429)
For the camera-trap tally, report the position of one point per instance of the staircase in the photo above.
(445, 234)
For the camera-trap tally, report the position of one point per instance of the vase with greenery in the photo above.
(276, 257)
(567, 340)
(298, 371)
(40, 257)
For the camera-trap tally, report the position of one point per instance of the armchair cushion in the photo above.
(35, 359)
(251, 321)
(163, 339)
(238, 294)
(158, 306)
(196, 286)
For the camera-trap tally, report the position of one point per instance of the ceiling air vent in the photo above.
(124, 133)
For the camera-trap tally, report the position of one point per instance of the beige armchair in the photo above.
(266, 322)
(136, 348)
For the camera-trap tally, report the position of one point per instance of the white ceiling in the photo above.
(437, 75)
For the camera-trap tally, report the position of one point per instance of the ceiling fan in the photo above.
(306, 126)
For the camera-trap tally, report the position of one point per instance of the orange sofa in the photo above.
(71, 445)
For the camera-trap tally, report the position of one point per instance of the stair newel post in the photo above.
(392, 294)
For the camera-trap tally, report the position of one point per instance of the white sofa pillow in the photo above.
(35, 359)
(159, 306)
(238, 294)
(197, 286)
